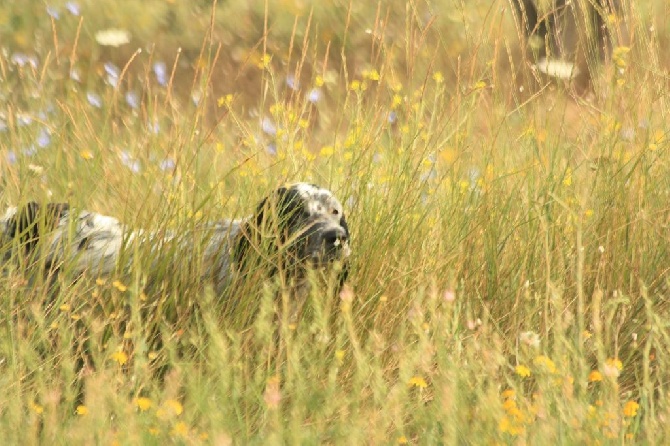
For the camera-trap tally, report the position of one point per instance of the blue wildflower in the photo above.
(11, 157)
(167, 164)
(22, 59)
(53, 12)
(271, 149)
(292, 83)
(74, 75)
(160, 70)
(196, 96)
(30, 150)
(94, 99)
(132, 99)
(24, 120)
(314, 95)
(154, 127)
(43, 138)
(268, 126)
(112, 74)
(392, 117)
(73, 8)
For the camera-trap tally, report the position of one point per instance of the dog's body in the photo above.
(296, 227)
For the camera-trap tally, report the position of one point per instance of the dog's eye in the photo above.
(335, 212)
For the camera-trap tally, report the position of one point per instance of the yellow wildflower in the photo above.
(180, 429)
(81, 410)
(120, 357)
(612, 367)
(143, 403)
(545, 363)
(327, 151)
(479, 85)
(567, 179)
(119, 286)
(630, 409)
(38, 409)
(595, 376)
(264, 61)
(174, 406)
(417, 381)
(507, 426)
(522, 371)
(372, 75)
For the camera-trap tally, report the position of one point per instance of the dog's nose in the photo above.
(334, 237)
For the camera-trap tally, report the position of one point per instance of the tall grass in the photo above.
(510, 236)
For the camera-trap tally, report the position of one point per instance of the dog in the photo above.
(295, 229)
(571, 34)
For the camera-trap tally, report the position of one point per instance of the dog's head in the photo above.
(297, 226)
(26, 222)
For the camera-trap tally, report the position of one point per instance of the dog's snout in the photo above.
(335, 236)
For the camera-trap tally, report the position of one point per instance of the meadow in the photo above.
(509, 230)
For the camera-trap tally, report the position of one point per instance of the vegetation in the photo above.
(510, 233)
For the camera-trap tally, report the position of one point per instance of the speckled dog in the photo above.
(295, 228)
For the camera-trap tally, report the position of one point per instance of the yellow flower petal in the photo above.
(522, 371)
(143, 403)
(417, 381)
(120, 357)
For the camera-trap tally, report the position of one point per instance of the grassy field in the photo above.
(510, 231)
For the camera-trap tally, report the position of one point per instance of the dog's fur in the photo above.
(295, 228)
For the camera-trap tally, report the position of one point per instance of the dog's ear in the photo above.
(278, 211)
(25, 224)
(271, 222)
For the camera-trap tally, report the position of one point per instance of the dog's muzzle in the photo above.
(327, 242)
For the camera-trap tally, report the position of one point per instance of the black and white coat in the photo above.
(295, 228)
